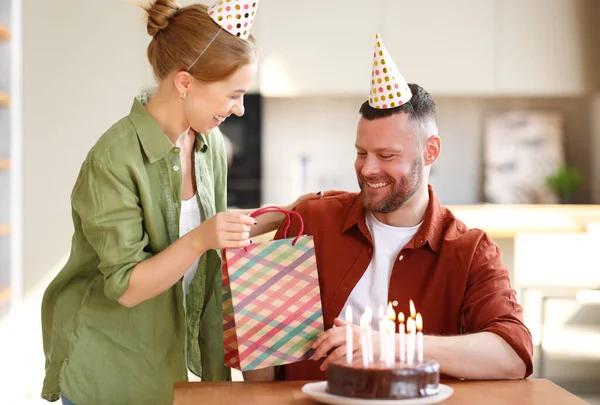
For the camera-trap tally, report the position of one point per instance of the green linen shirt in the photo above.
(125, 208)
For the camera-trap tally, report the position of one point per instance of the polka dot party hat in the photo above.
(234, 16)
(388, 87)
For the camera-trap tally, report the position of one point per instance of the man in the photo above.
(394, 242)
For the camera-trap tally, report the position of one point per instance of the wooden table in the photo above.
(521, 392)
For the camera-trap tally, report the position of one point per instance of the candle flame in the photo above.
(381, 312)
(419, 322)
(412, 309)
(391, 313)
(410, 325)
(369, 315)
(401, 317)
(349, 314)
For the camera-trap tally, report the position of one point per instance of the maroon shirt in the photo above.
(454, 275)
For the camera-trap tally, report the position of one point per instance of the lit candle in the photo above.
(363, 339)
(419, 338)
(401, 346)
(411, 330)
(410, 346)
(381, 335)
(349, 334)
(369, 315)
(387, 331)
(390, 338)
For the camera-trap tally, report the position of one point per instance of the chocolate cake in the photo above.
(402, 381)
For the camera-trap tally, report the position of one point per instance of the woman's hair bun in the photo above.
(160, 13)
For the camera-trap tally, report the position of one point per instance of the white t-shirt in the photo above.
(189, 218)
(372, 288)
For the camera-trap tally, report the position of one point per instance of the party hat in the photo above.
(388, 87)
(234, 16)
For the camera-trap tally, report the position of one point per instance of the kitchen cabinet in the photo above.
(459, 47)
(539, 47)
(446, 46)
(325, 47)
(316, 47)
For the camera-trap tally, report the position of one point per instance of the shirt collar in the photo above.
(356, 216)
(429, 233)
(154, 141)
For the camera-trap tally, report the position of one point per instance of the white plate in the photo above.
(319, 392)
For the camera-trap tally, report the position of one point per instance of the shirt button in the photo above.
(176, 150)
(401, 257)
(176, 168)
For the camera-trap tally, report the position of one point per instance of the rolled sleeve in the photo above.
(112, 222)
(490, 303)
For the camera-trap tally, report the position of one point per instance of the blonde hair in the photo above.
(180, 34)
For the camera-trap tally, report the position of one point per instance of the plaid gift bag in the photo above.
(271, 300)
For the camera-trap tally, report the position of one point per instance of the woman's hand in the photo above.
(224, 230)
(269, 222)
(313, 196)
(161, 271)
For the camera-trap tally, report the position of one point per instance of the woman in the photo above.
(140, 296)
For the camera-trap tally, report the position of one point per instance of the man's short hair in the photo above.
(420, 108)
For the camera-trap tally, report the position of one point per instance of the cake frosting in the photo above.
(380, 381)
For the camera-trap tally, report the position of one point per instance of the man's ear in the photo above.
(432, 149)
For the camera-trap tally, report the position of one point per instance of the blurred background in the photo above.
(517, 85)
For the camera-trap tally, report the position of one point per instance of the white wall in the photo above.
(322, 129)
(83, 62)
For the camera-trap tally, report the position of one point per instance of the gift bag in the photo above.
(271, 300)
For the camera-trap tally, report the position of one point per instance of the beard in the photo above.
(398, 194)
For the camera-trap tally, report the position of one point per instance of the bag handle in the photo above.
(288, 219)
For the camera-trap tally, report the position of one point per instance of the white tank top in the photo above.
(189, 219)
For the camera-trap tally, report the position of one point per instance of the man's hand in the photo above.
(332, 344)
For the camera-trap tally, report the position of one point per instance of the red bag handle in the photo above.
(288, 218)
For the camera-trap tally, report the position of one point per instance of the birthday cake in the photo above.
(379, 381)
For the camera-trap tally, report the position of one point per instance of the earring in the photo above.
(182, 95)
